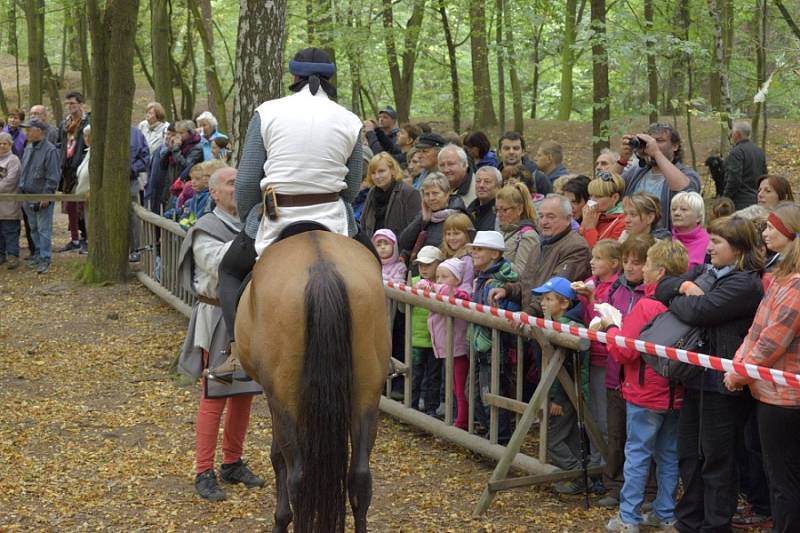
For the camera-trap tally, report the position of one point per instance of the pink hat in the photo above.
(455, 266)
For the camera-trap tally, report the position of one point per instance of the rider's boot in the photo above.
(225, 371)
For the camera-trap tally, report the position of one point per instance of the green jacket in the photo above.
(420, 335)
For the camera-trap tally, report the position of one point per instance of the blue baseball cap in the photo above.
(557, 285)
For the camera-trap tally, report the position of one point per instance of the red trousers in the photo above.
(209, 415)
(460, 373)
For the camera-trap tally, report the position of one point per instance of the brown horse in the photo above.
(312, 330)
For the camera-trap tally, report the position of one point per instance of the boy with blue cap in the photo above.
(563, 445)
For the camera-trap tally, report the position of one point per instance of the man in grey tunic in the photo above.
(301, 161)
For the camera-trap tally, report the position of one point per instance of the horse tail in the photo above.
(325, 404)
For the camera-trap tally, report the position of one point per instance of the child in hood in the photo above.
(393, 269)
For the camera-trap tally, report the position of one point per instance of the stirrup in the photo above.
(224, 371)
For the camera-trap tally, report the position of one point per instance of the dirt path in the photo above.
(95, 434)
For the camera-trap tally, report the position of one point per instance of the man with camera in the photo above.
(661, 171)
(41, 174)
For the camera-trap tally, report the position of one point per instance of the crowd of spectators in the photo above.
(454, 215)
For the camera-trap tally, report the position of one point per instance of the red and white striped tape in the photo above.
(786, 379)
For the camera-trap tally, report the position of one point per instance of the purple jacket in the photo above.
(18, 146)
(623, 297)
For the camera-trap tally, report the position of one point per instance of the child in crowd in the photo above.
(219, 147)
(426, 369)
(392, 268)
(563, 437)
(624, 293)
(652, 404)
(457, 233)
(199, 203)
(493, 271)
(449, 278)
(605, 265)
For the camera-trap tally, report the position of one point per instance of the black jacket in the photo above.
(726, 311)
(404, 204)
(542, 184)
(743, 166)
(483, 216)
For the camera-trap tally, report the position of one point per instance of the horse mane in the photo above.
(323, 425)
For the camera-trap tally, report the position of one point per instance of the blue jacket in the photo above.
(634, 175)
(140, 153)
(41, 168)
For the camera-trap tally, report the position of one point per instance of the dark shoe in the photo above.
(609, 502)
(239, 472)
(596, 486)
(32, 261)
(43, 266)
(205, 485)
(569, 488)
(71, 245)
(224, 372)
(134, 257)
(2, 259)
(84, 247)
(13, 262)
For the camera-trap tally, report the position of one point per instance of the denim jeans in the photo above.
(651, 435)
(41, 221)
(9, 238)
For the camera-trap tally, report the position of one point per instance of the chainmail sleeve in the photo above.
(353, 179)
(248, 179)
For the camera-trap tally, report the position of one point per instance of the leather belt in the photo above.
(303, 200)
(209, 301)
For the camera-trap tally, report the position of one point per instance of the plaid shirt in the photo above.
(774, 340)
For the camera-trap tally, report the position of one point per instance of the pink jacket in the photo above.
(437, 323)
(598, 353)
(654, 392)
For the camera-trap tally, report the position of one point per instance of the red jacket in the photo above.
(654, 392)
(598, 353)
(608, 227)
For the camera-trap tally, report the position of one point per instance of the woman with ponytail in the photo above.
(517, 219)
(774, 342)
(781, 226)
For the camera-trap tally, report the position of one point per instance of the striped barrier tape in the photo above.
(786, 379)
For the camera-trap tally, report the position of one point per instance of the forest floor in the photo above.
(97, 434)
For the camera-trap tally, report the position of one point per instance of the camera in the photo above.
(636, 143)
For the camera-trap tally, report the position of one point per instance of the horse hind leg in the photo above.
(359, 479)
(283, 512)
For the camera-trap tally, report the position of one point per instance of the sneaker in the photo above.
(205, 485)
(32, 261)
(650, 519)
(71, 245)
(569, 488)
(597, 486)
(84, 247)
(43, 266)
(609, 502)
(134, 257)
(239, 472)
(13, 262)
(616, 524)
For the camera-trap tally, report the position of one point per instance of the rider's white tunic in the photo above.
(308, 139)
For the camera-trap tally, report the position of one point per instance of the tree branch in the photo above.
(788, 18)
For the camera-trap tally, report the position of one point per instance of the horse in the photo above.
(311, 329)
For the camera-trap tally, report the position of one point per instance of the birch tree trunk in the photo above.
(259, 61)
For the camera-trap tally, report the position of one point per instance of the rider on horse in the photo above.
(301, 161)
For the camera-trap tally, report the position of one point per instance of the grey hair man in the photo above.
(743, 166)
(488, 181)
(39, 111)
(454, 163)
(563, 253)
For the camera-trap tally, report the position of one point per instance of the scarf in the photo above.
(381, 203)
(695, 241)
(493, 277)
(186, 147)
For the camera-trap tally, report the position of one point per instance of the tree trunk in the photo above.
(83, 46)
(3, 102)
(788, 18)
(34, 18)
(483, 112)
(259, 61)
(537, 40)
(353, 54)
(501, 75)
(216, 96)
(761, 61)
(53, 84)
(161, 46)
(112, 31)
(652, 74)
(677, 78)
(601, 112)
(453, 60)
(567, 60)
(721, 73)
(513, 74)
(402, 76)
